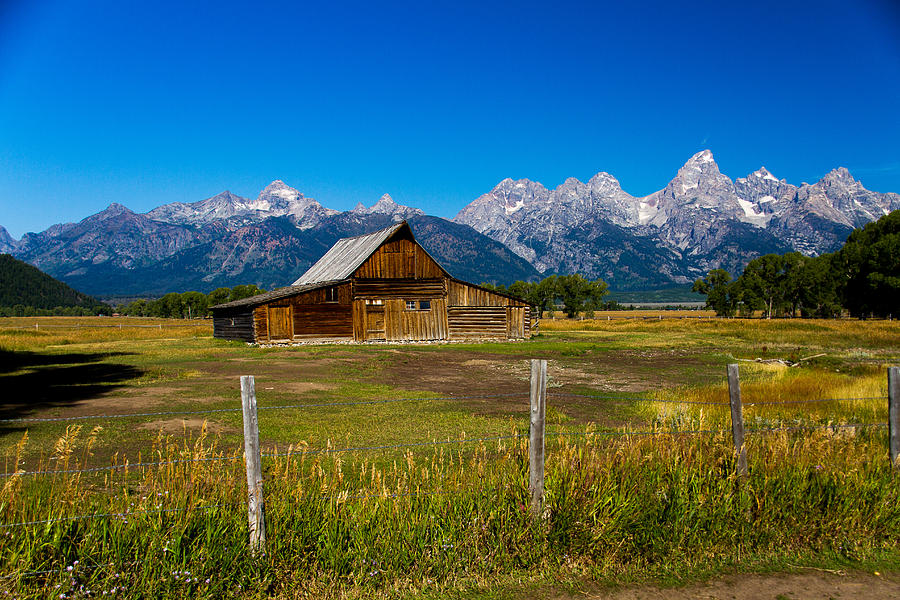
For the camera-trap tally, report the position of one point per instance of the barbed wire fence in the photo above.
(253, 455)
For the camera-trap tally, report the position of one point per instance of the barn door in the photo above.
(281, 323)
(375, 322)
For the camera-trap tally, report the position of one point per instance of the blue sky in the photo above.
(434, 103)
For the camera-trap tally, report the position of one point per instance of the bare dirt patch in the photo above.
(796, 586)
(130, 401)
(302, 387)
(499, 383)
(299, 366)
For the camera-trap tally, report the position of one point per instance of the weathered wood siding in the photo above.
(324, 295)
(359, 320)
(401, 323)
(400, 288)
(237, 325)
(323, 320)
(326, 312)
(394, 322)
(463, 294)
(399, 259)
(261, 323)
(515, 322)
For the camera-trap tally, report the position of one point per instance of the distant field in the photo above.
(606, 376)
(641, 313)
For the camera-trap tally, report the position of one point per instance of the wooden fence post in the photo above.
(255, 505)
(737, 418)
(894, 413)
(536, 435)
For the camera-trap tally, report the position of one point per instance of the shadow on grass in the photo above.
(31, 381)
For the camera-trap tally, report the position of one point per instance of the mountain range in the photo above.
(519, 230)
(699, 221)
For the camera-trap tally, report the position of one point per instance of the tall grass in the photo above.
(775, 395)
(747, 337)
(441, 520)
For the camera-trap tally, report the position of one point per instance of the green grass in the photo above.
(449, 519)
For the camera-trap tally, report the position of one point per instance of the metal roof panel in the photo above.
(347, 255)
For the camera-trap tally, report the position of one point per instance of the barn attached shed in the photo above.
(379, 286)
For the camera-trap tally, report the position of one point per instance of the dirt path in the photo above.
(814, 585)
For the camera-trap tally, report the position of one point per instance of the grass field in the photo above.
(438, 519)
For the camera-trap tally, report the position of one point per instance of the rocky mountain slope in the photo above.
(699, 221)
(7, 243)
(227, 240)
(519, 230)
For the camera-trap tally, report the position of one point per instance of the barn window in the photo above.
(374, 302)
(425, 305)
(331, 294)
(410, 305)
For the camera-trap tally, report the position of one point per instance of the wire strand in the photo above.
(639, 433)
(628, 399)
(815, 427)
(124, 514)
(124, 466)
(392, 446)
(223, 410)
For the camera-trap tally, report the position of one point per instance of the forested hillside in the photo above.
(26, 290)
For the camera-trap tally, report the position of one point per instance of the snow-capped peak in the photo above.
(384, 204)
(704, 156)
(387, 206)
(275, 193)
(763, 173)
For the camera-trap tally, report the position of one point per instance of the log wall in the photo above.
(234, 326)
(477, 321)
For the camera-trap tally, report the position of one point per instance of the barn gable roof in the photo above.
(348, 254)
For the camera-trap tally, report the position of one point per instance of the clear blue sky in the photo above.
(154, 102)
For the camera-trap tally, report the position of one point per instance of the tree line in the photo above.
(22, 310)
(575, 293)
(861, 279)
(187, 305)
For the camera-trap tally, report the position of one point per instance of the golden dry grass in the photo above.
(32, 333)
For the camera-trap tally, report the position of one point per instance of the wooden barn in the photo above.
(379, 286)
